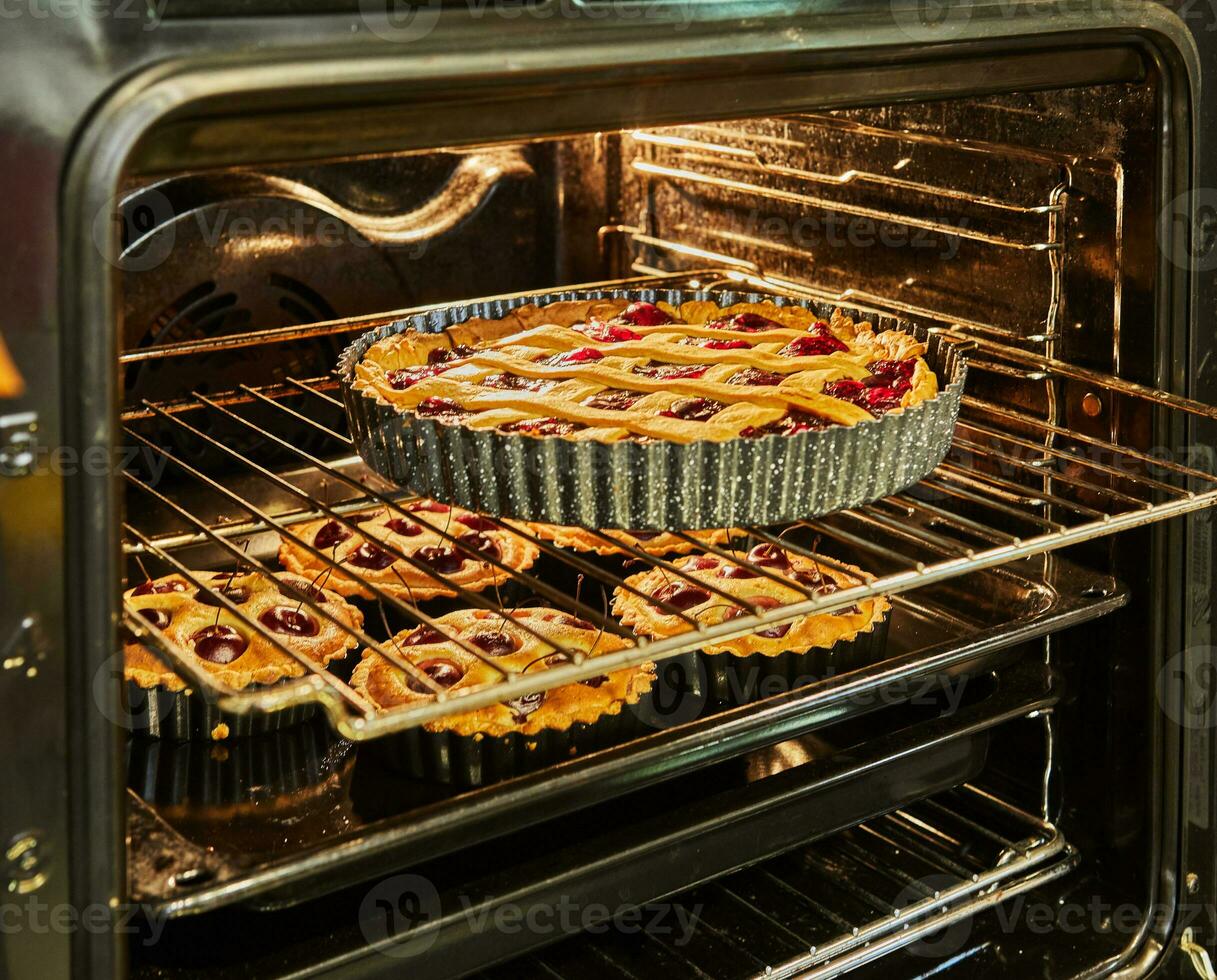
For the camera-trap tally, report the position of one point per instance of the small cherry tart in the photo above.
(278, 618)
(413, 551)
(767, 578)
(478, 648)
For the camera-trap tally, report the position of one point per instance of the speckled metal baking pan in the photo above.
(160, 713)
(656, 485)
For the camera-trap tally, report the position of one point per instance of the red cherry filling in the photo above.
(424, 634)
(612, 399)
(477, 522)
(606, 332)
(694, 409)
(579, 355)
(682, 595)
(893, 369)
(427, 507)
(443, 672)
(406, 529)
(495, 644)
(440, 408)
(644, 535)
(761, 602)
(737, 571)
(289, 620)
(524, 705)
(159, 618)
(792, 423)
(809, 346)
(369, 556)
(643, 315)
(443, 560)
(664, 372)
(717, 343)
(543, 427)
(748, 322)
(402, 378)
(219, 644)
(513, 382)
(699, 563)
(442, 355)
(159, 588)
(330, 534)
(235, 594)
(875, 398)
(769, 556)
(479, 546)
(755, 376)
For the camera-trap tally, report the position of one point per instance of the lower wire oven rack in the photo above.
(1015, 486)
(895, 880)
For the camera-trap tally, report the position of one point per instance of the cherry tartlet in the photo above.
(790, 578)
(469, 649)
(227, 646)
(415, 550)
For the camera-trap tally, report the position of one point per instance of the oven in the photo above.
(209, 202)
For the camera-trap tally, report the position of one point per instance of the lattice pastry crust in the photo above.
(516, 651)
(412, 529)
(170, 603)
(609, 370)
(708, 608)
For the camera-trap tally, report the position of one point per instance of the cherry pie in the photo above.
(514, 649)
(701, 604)
(609, 370)
(412, 529)
(224, 645)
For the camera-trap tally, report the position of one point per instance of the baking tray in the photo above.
(654, 485)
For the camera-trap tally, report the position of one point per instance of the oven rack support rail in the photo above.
(897, 878)
(1014, 486)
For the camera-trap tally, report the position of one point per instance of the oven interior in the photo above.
(1008, 746)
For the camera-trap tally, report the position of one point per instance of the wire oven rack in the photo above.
(1015, 485)
(894, 880)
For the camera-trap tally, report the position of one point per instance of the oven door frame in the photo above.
(832, 58)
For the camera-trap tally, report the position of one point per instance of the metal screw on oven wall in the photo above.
(26, 863)
(1092, 404)
(17, 444)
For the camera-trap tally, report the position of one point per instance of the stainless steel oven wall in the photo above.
(84, 90)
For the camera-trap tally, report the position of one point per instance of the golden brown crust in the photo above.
(653, 543)
(805, 633)
(384, 684)
(261, 662)
(564, 395)
(399, 578)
